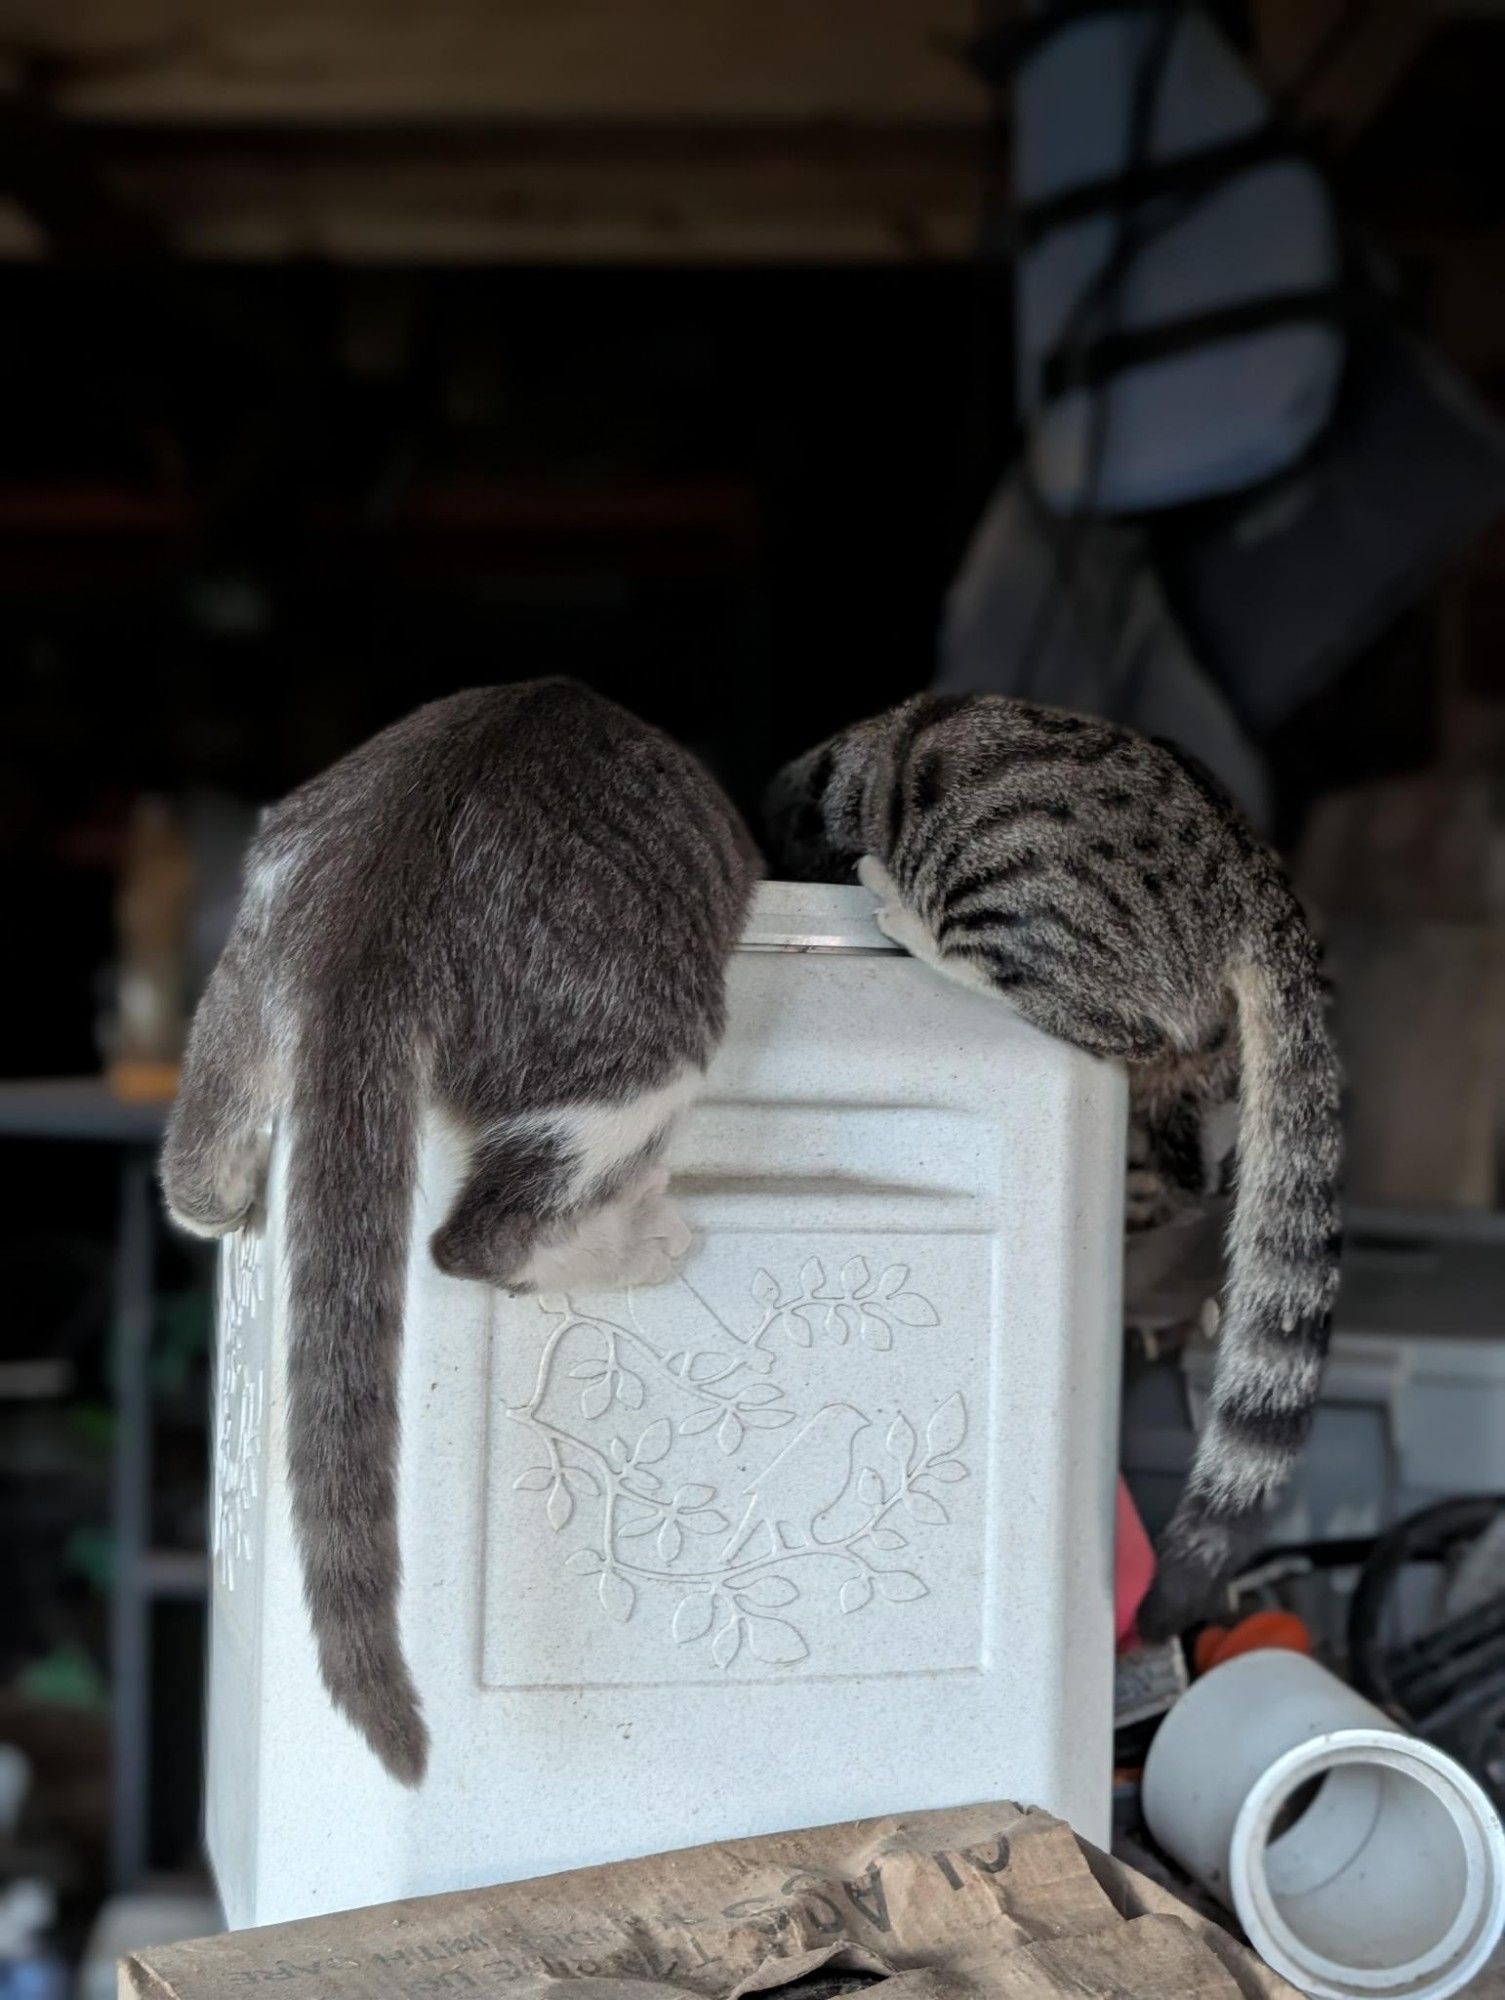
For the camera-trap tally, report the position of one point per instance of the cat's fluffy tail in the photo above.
(1284, 1245)
(351, 1173)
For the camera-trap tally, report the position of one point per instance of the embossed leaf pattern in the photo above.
(595, 1397)
(854, 1275)
(706, 1521)
(630, 1390)
(775, 1642)
(766, 1420)
(617, 1595)
(654, 1443)
(767, 1593)
(900, 1586)
(909, 1309)
(692, 1619)
(727, 1643)
(730, 1597)
(902, 1440)
(946, 1428)
(842, 1322)
(239, 1401)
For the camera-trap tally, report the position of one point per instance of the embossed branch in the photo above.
(739, 1590)
(857, 1303)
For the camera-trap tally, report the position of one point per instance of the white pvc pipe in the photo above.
(1362, 1863)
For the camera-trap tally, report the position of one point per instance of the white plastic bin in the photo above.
(894, 1346)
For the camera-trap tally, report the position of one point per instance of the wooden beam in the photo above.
(524, 130)
(895, 195)
(880, 62)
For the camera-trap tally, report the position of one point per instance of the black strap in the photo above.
(999, 51)
(1188, 174)
(1094, 362)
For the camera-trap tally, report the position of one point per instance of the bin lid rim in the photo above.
(813, 916)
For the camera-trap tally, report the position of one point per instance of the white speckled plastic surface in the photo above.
(820, 1529)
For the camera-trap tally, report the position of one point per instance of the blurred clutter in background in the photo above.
(757, 364)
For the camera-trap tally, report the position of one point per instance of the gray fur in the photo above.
(514, 903)
(1106, 887)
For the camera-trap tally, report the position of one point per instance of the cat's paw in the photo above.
(632, 1242)
(209, 1217)
(897, 923)
(214, 1198)
(660, 1226)
(653, 1237)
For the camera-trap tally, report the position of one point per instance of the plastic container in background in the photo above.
(894, 1345)
(1362, 1863)
(1412, 1410)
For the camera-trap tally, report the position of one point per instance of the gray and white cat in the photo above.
(1105, 887)
(514, 907)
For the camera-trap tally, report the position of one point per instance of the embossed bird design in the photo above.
(802, 1484)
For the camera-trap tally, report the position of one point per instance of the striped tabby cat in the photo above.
(1105, 887)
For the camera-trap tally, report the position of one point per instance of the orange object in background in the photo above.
(1261, 1630)
(153, 906)
(143, 1082)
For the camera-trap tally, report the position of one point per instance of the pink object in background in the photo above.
(1133, 1567)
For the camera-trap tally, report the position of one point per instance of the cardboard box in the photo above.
(992, 1899)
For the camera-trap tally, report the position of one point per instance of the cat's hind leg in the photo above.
(214, 1156)
(516, 1191)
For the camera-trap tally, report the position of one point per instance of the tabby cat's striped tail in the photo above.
(1284, 1245)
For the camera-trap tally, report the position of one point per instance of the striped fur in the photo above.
(1105, 886)
(515, 907)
